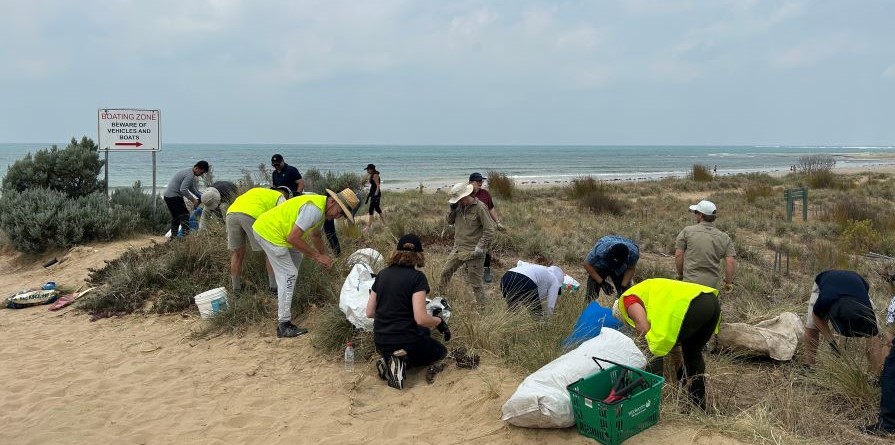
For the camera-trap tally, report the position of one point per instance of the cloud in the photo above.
(815, 51)
(889, 72)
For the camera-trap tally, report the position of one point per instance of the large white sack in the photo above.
(355, 294)
(776, 338)
(542, 400)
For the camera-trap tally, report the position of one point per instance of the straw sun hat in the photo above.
(347, 200)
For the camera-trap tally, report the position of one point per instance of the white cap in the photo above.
(704, 207)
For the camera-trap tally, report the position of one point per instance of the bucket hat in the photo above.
(211, 197)
(460, 191)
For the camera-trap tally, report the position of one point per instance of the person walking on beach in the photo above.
(183, 186)
(374, 196)
(401, 324)
(476, 179)
(700, 248)
(473, 233)
(289, 176)
(240, 217)
(842, 298)
(283, 233)
(532, 285)
(669, 313)
(614, 257)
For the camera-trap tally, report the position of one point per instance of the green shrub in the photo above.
(822, 179)
(860, 236)
(814, 163)
(755, 191)
(595, 196)
(38, 219)
(317, 181)
(701, 173)
(151, 210)
(74, 170)
(501, 185)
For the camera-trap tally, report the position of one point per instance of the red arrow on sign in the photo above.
(135, 144)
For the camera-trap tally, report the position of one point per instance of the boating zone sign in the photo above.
(126, 129)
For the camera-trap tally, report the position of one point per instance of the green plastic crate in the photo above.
(611, 424)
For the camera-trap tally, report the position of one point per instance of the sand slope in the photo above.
(147, 380)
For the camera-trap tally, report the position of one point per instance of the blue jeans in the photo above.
(887, 399)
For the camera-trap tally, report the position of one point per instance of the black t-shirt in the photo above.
(288, 177)
(393, 322)
(835, 284)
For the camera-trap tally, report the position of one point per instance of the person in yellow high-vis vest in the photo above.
(668, 313)
(241, 214)
(283, 233)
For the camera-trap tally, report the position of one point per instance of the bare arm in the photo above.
(420, 315)
(679, 262)
(729, 269)
(638, 313)
(295, 239)
(494, 215)
(628, 276)
(371, 305)
(812, 337)
(376, 181)
(592, 272)
(299, 186)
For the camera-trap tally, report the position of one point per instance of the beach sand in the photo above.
(149, 380)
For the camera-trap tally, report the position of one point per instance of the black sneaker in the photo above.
(287, 329)
(382, 368)
(395, 372)
(876, 429)
(273, 291)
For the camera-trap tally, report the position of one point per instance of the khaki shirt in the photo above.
(704, 247)
(473, 227)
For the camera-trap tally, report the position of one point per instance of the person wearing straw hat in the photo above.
(473, 233)
(240, 217)
(668, 313)
(700, 248)
(283, 233)
(401, 324)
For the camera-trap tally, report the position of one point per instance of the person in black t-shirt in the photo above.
(401, 323)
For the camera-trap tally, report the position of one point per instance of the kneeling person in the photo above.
(401, 324)
(283, 233)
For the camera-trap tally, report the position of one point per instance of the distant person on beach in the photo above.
(215, 201)
(473, 233)
(671, 313)
(532, 286)
(284, 232)
(401, 324)
(476, 179)
(841, 298)
(612, 257)
(240, 217)
(374, 196)
(289, 176)
(183, 186)
(700, 248)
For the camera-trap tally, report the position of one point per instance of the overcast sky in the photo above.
(454, 72)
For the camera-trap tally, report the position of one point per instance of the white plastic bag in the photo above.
(355, 294)
(542, 400)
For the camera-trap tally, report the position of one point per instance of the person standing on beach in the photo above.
(612, 257)
(240, 217)
(374, 196)
(473, 233)
(183, 186)
(289, 176)
(283, 233)
(476, 179)
(700, 248)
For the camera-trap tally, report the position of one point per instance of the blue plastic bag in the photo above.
(592, 319)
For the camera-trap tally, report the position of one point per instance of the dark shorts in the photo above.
(423, 351)
(374, 204)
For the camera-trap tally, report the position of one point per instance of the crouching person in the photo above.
(669, 313)
(401, 325)
(531, 286)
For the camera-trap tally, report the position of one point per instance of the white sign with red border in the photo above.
(127, 129)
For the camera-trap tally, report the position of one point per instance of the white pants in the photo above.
(285, 262)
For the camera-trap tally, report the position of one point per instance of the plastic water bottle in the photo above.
(349, 357)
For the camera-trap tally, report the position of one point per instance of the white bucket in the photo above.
(211, 302)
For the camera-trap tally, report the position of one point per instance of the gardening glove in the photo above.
(444, 329)
(478, 253)
(501, 227)
(728, 287)
(607, 288)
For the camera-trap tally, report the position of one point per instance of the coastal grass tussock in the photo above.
(501, 185)
(595, 196)
(701, 173)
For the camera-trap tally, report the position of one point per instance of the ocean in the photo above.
(407, 166)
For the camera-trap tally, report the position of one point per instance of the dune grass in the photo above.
(760, 401)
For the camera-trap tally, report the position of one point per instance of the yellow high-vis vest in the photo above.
(255, 202)
(275, 224)
(666, 303)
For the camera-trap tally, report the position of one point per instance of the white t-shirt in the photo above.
(547, 281)
(308, 215)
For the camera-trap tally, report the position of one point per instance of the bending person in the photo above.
(401, 324)
(668, 313)
(612, 257)
(240, 217)
(531, 285)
